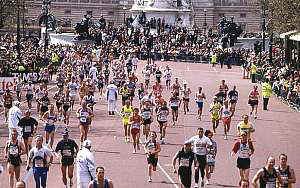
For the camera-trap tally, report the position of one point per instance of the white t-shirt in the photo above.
(14, 116)
(85, 166)
(200, 144)
(112, 91)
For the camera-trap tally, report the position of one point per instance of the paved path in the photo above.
(276, 132)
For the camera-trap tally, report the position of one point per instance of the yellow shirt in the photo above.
(253, 68)
(127, 112)
(215, 108)
(248, 128)
(214, 58)
(266, 89)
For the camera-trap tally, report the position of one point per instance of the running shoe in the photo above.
(196, 186)
(202, 183)
(225, 137)
(149, 179)
(134, 152)
(207, 182)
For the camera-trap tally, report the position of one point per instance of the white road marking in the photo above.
(167, 175)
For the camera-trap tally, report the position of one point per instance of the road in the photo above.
(276, 132)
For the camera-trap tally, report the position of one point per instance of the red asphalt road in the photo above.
(276, 132)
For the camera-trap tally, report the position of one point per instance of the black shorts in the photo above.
(174, 108)
(66, 107)
(125, 98)
(100, 85)
(26, 135)
(253, 102)
(131, 94)
(201, 160)
(185, 175)
(16, 161)
(8, 105)
(147, 121)
(243, 163)
(186, 99)
(44, 109)
(152, 160)
(29, 97)
(59, 104)
(233, 101)
(161, 122)
(66, 161)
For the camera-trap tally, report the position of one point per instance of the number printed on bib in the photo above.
(185, 162)
(27, 129)
(210, 158)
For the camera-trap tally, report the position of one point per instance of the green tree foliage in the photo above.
(283, 15)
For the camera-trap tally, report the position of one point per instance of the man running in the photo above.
(168, 76)
(245, 126)
(14, 116)
(162, 119)
(112, 97)
(226, 118)
(40, 158)
(211, 156)
(244, 148)
(101, 181)
(200, 143)
(267, 175)
(223, 88)
(199, 98)
(50, 117)
(13, 151)
(253, 101)
(152, 149)
(233, 96)
(126, 112)
(185, 158)
(286, 173)
(68, 150)
(135, 123)
(215, 113)
(146, 113)
(186, 97)
(175, 102)
(28, 125)
(73, 87)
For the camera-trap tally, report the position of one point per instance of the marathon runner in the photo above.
(186, 97)
(68, 150)
(40, 158)
(29, 127)
(147, 74)
(245, 126)
(244, 148)
(29, 94)
(215, 113)
(226, 118)
(12, 152)
(66, 107)
(200, 144)
(267, 175)
(50, 117)
(84, 115)
(185, 158)
(58, 97)
(89, 99)
(39, 94)
(168, 76)
(158, 75)
(176, 86)
(8, 99)
(223, 88)
(175, 103)
(101, 181)
(135, 123)
(146, 113)
(253, 101)
(199, 98)
(211, 156)
(152, 149)
(286, 173)
(233, 96)
(83, 90)
(126, 112)
(73, 87)
(162, 119)
(45, 102)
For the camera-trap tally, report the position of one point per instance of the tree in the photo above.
(8, 10)
(282, 15)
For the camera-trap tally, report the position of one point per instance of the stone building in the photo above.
(244, 13)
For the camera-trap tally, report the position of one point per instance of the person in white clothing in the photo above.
(93, 73)
(112, 97)
(14, 116)
(86, 170)
(200, 143)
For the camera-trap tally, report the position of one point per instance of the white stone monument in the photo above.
(164, 9)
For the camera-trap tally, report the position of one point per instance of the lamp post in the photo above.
(23, 17)
(205, 24)
(124, 12)
(46, 9)
(18, 31)
(263, 24)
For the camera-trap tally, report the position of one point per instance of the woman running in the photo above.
(135, 122)
(162, 119)
(126, 112)
(211, 156)
(84, 114)
(50, 117)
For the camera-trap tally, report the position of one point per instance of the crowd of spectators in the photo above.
(174, 43)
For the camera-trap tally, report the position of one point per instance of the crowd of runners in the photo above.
(93, 76)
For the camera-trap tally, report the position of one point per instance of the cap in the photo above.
(16, 103)
(215, 97)
(87, 143)
(65, 133)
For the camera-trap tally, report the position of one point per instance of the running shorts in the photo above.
(200, 104)
(185, 175)
(29, 97)
(226, 120)
(135, 131)
(151, 159)
(67, 161)
(49, 128)
(147, 121)
(243, 163)
(174, 108)
(253, 102)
